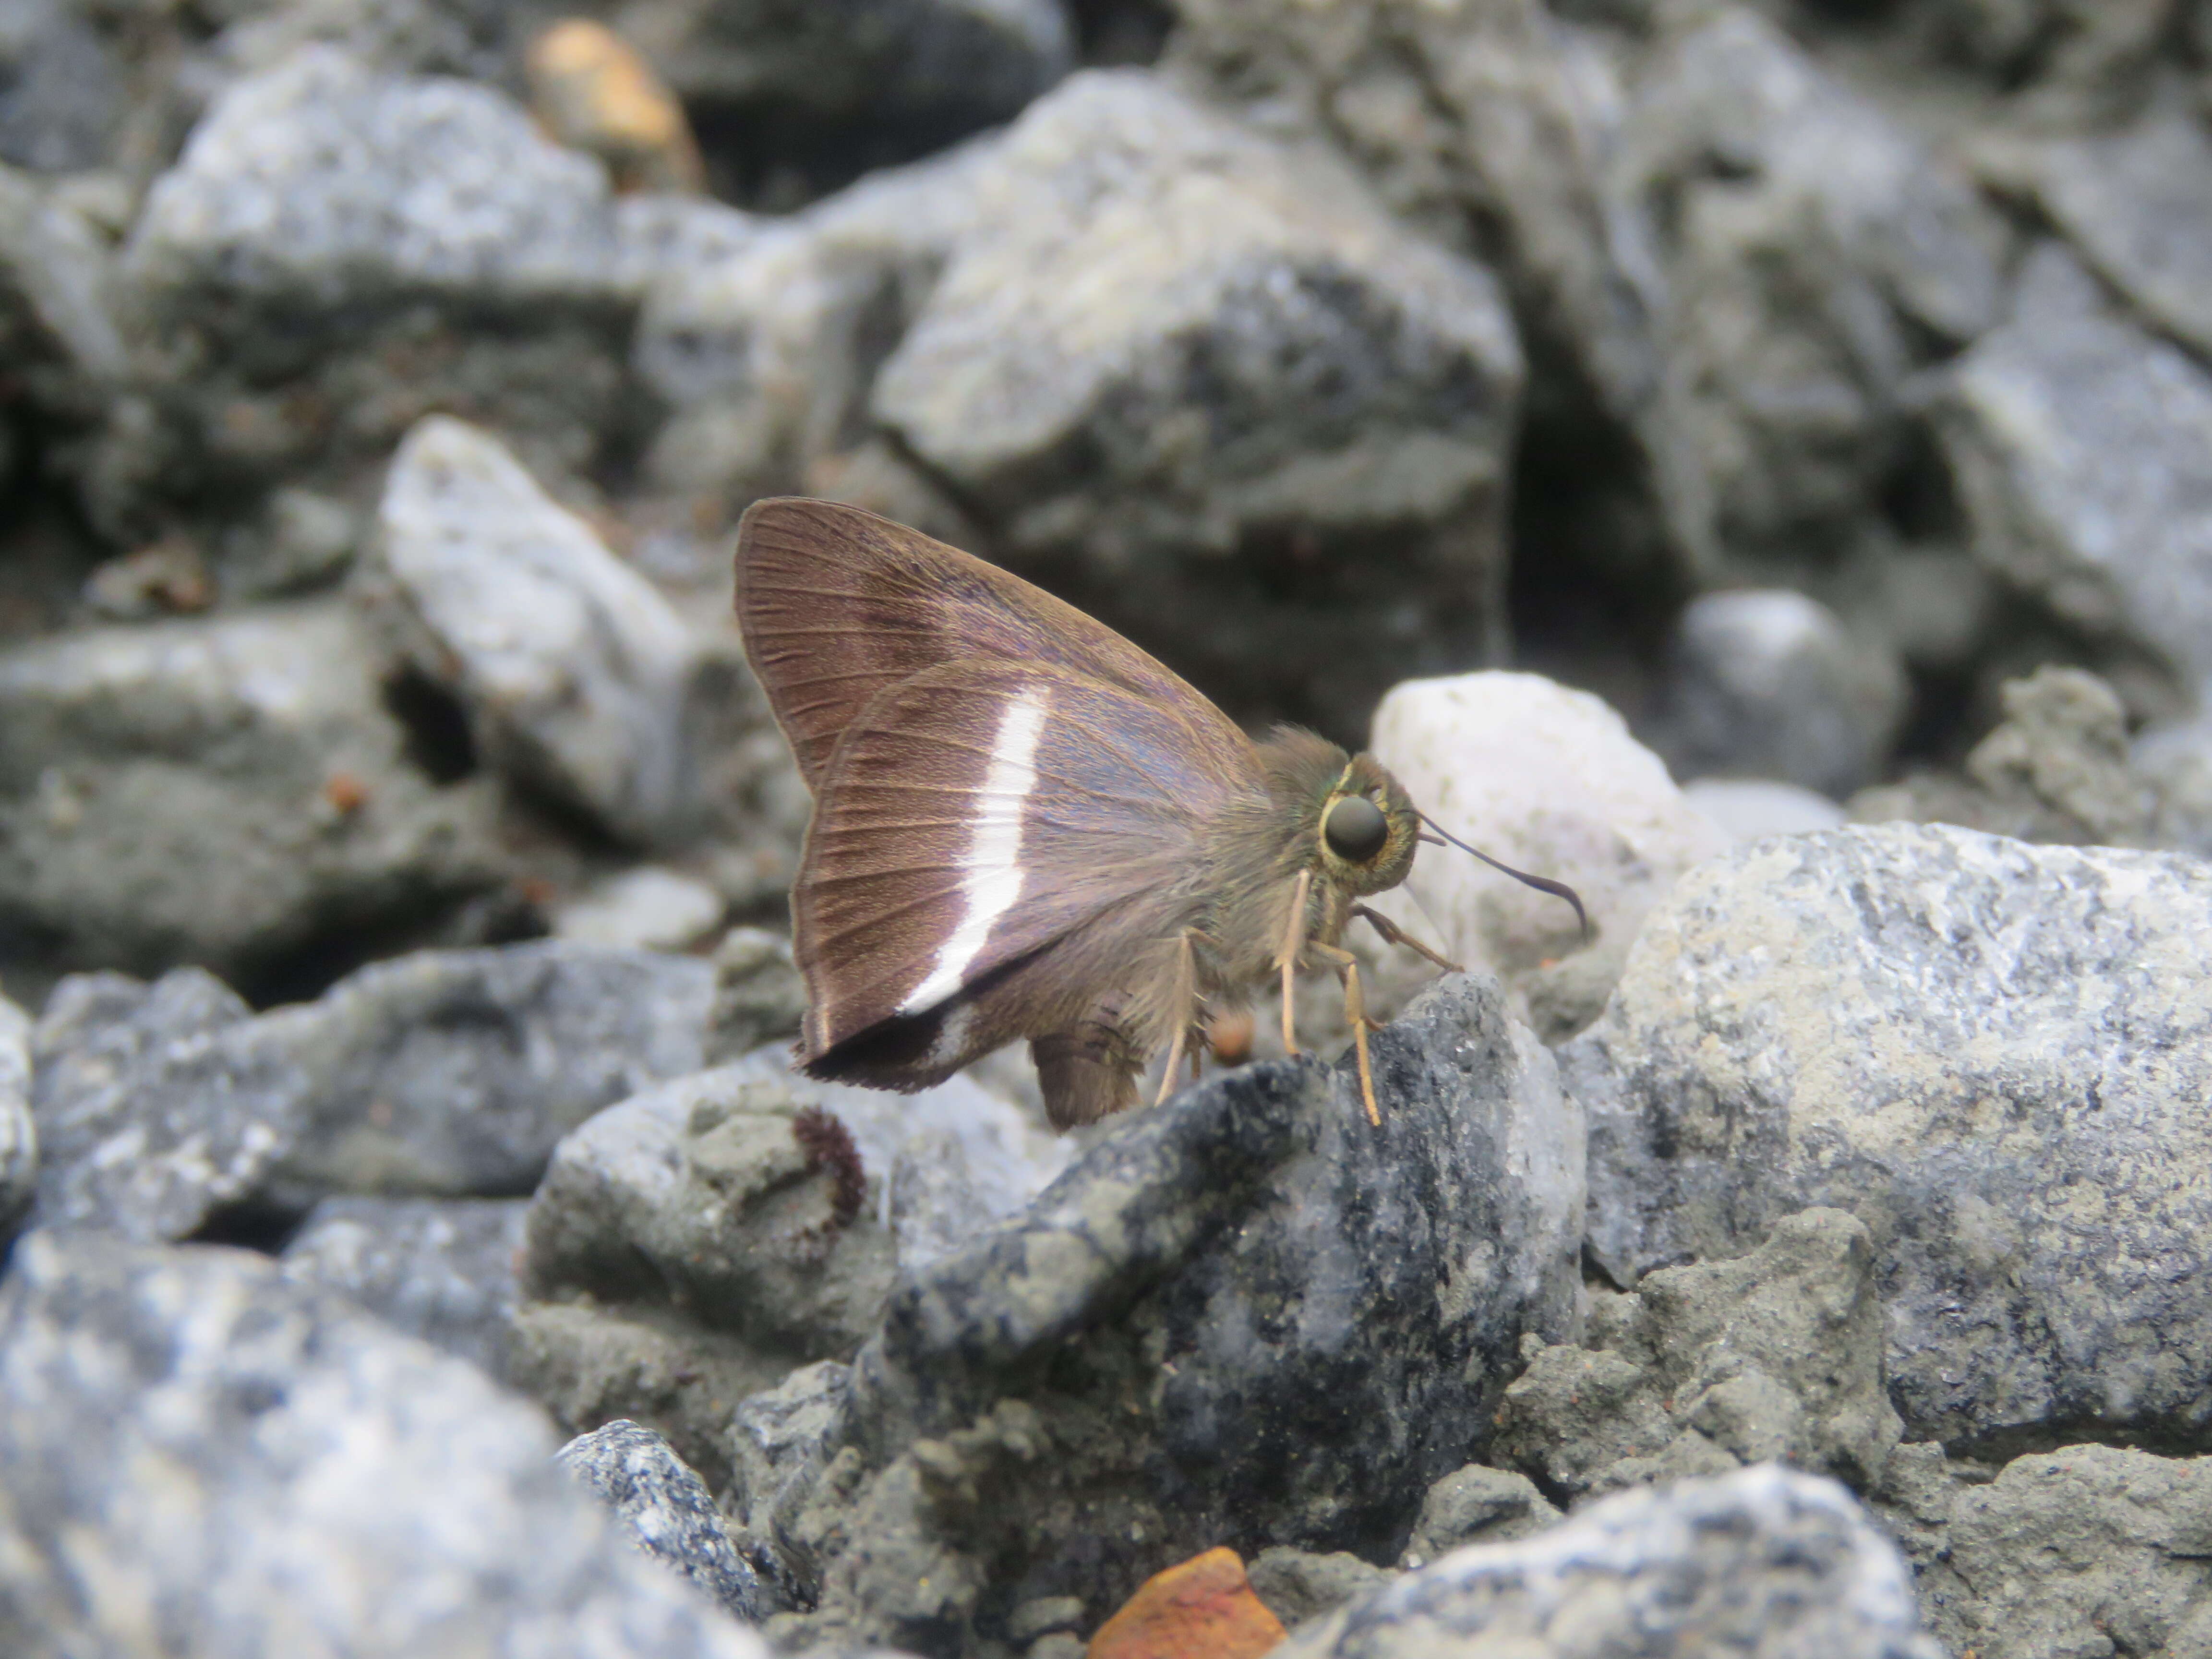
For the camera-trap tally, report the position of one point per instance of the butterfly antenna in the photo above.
(1541, 884)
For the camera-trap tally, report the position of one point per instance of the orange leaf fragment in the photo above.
(1203, 1608)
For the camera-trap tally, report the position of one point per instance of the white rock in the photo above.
(1747, 809)
(1548, 780)
(648, 908)
(573, 669)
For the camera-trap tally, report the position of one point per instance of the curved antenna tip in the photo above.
(1541, 884)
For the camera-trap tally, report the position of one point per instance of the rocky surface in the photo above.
(1978, 1048)
(1765, 1561)
(185, 1432)
(162, 1107)
(667, 1508)
(1192, 1339)
(445, 1269)
(19, 1130)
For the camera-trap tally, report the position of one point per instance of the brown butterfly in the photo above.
(1025, 828)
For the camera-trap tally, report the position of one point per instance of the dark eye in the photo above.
(1355, 829)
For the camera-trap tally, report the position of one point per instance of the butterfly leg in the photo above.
(1294, 944)
(1355, 1015)
(1184, 1001)
(1393, 934)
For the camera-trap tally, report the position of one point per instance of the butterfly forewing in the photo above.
(837, 605)
(975, 814)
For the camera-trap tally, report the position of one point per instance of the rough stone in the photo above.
(1475, 1505)
(2136, 203)
(1776, 1354)
(2088, 1549)
(1764, 1561)
(1176, 360)
(19, 1129)
(220, 791)
(1989, 1052)
(578, 676)
(338, 253)
(2078, 446)
(1770, 683)
(1192, 1340)
(665, 1508)
(1299, 1586)
(445, 1073)
(265, 1465)
(57, 301)
(759, 997)
(66, 91)
(443, 1269)
(1548, 780)
(2058, 768)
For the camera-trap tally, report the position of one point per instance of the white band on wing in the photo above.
(991, 879)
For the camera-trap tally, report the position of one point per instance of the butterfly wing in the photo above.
(837, 605)
(992, 843)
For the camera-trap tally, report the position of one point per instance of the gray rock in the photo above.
(323, 187)
(1167, 337)
(444, 1073)
(220, 791)
(337, 252)
(151, 1121)
(2137, 204)
(470, 38)
(19, 1129)
(779, 1441)
(1770, 683)
(455, 1074)
(647, 907)
(445, 1270)
(1193, 1339)
(1475, 1505)
(2079, 445)
(2058, 768)
(665, 1508)
(2068, 64)
(1763, 1561)
(2088, 1549)
(57, 300)
(759, 997)
(1985, 1050)
(66, 90)
(1774, 1355)
(951, 65)
(1795, 241)
(183, 1430)
(1298, 1586)
(578, 676)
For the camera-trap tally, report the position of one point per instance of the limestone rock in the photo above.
(1750, 809)
(1548, 780)
(1773, 1355)
(1987, 1051)
(1205, 383)
(665, 1508)
(182, 1430)
(1119, 1376)
(2078, 444)
(577, 675)
(444, 1269)
(1476, 1505)
(1764, 1561)
(220, 791)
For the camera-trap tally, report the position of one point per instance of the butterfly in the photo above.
(1025, 828)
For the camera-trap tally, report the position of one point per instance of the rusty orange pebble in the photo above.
(1202, 1608)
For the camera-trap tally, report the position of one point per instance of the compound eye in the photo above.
(1355, 829)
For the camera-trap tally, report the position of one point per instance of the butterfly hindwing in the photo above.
(991, 841)
(837, 605)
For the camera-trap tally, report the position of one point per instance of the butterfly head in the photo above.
(1367, 828)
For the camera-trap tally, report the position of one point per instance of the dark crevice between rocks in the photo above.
(1112, 32)
(303, 970)
(252, 1224)
(779, 158)
(1995, 1448)
(439, 742)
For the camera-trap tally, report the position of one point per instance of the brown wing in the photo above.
(837, 605)
(994, 842)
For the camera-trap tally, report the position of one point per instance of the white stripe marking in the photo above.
(991, 884)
